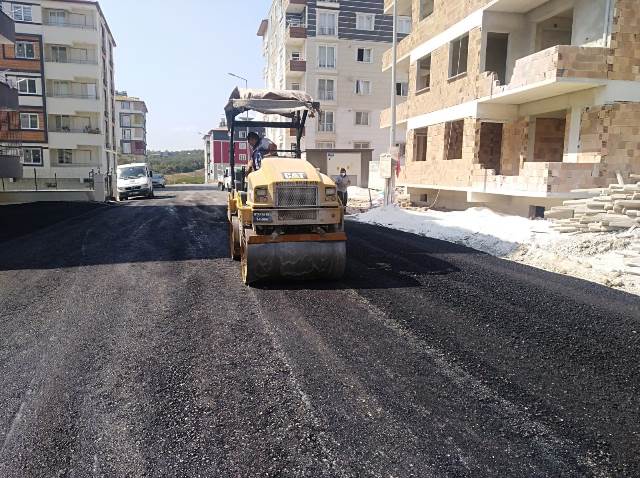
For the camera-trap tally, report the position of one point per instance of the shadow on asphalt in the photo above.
(179, 187)
(66, 235)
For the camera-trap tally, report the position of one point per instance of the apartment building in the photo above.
(515, 103)
(332, 50)
(216, 150)
(131, 132)
(62, 63)
(10, 159)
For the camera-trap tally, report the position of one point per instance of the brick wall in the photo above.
(624, 58)
(610, 134)
(549, 140)
(8, 58)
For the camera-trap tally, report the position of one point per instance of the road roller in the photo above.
(285, 219)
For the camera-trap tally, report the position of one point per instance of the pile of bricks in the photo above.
(616, 208)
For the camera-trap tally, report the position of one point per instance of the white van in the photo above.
(135, 180)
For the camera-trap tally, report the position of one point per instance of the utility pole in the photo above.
(390, 183)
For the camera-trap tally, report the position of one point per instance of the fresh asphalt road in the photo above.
(129, 347)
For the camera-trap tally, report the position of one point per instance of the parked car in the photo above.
(158, 180)
(134, 180)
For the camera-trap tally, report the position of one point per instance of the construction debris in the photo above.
(616, 208)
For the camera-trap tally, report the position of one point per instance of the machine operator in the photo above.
(260, 148)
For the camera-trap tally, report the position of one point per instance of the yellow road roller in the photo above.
(285, 220)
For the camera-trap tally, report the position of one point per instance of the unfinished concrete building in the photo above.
(515, 103)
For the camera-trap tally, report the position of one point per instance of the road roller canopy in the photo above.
(288, 103)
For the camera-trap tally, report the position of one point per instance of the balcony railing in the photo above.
(79, 61)
(297, 31)
(85, 130)
(68, 24)
(298, 65)
(80, 96)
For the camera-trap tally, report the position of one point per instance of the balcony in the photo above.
(69, 31)
(8, 95)
(404, 52)
(555, 71)
(404, 7)
(296, 68)
(72, 138)
(7, 29)
(295, 6)
(296, 34)
(69, 67)
(402, 114)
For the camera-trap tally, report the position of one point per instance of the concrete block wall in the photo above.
(610, 135)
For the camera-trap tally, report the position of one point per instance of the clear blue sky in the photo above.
(176, 55)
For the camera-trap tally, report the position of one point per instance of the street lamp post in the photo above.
(389, 183)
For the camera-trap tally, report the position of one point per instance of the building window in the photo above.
(126, 148)
(65, 156)
(402, 88)
(29, 121)
(364, 55)
(326, 56)
(242, 134)
(25, 49)
(325, 124)
(421, 138)
(361, 145)
(27, 86)
(126, 133)
(125, 105)
(326, 89)
(459, 50)
(57, 17)
(325, 145)
(363, 87)
(362, 118)
(426, 8)
(453, 135)
(327, 23)
(125, 120)
(423, 78)
(32, 156)
(22, 13)
(242, 145)
(295, 86)
(404, 25)
(295, 55)
(242, 157)
(365, 21)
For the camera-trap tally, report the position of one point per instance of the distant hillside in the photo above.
(172, 162)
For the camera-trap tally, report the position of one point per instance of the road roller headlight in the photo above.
(261, 194)
(330, 193)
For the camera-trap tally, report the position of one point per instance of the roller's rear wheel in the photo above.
(234, 238)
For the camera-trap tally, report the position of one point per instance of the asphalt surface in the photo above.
(129, 347)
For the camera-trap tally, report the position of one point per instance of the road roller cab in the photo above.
(285, 220)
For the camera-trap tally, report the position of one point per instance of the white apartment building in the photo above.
(131, 133)
(332, 50)
(63, 64)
